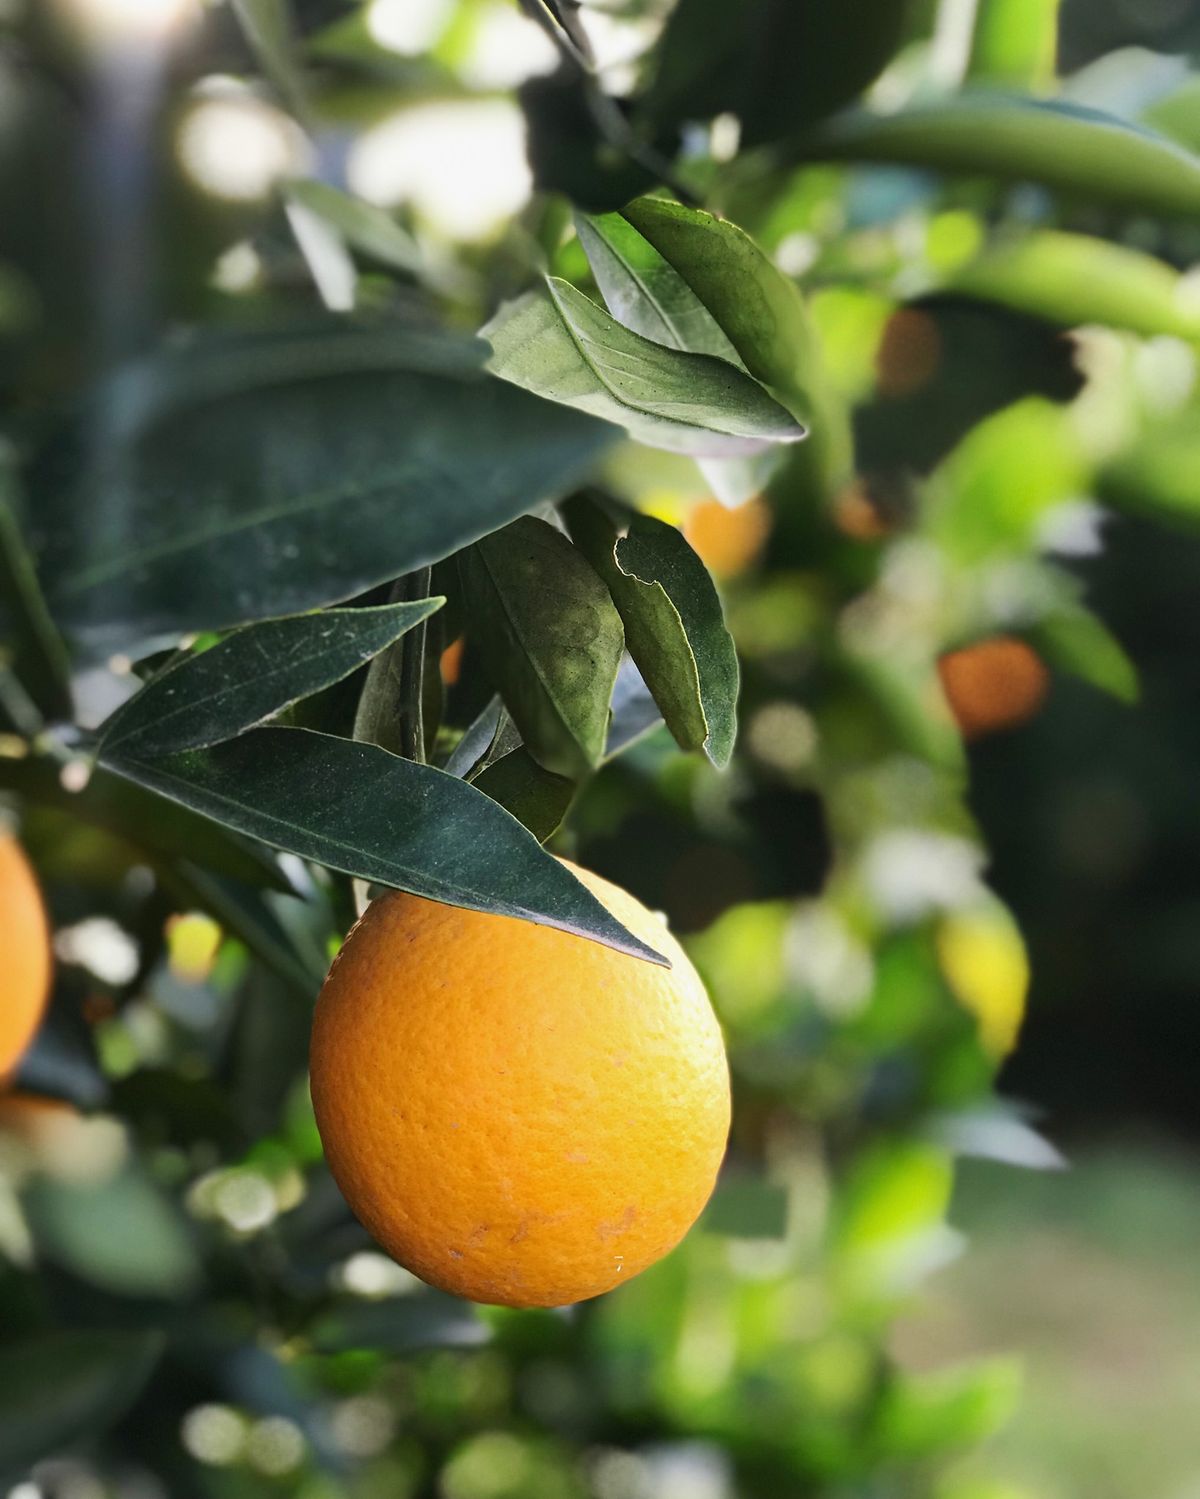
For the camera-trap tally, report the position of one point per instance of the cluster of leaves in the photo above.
(238, 568)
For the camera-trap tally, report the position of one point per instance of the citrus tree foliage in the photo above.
(343, 545)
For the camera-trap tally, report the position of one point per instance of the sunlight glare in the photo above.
(461, 166)
(238, 147)
(142, 20)
(407, 26)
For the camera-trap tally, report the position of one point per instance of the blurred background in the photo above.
(936, 1265)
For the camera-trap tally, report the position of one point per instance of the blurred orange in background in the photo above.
(995, 684)
(728, 541)
(25, 961)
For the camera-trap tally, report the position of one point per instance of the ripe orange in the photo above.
(24, 954)
(518, 1115)
(995, 684)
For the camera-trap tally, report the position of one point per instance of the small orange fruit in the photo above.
(909, 354)
(995, 684)
(518, 1115)
(728, 541)
(450, 661)
(857, 514)
(24, 954)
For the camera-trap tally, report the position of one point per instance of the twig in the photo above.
(413, 586)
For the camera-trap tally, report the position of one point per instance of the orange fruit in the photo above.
(995, 684)
(24, 954)
(909, 354)
(450, 661)
(36, 1119)
(518, 1115)
(728, 541)
(857, 514)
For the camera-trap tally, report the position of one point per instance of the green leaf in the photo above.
(570, 142)
(559, 344)
(755, 307)
(239, 479)
(1072, 279)
(355, 808)
(251, 675)
(1159, 475)
(549, 637)
(164, 832)
(476, 740)
(922, 1416)
(746, 307)
(1073, 150)
(59, 1388)
(1177, 114)
(634, 711)
(1015, 43)
(268, 28)
(121, 1233)
(775, 64)
(645, 292)
(506, 738)
(674, 627)
(1074, 640)
(398, 1324)
(993, 492)
(747, 1209)
(364, 226)
(534, 796)
(392, 705)
(27, 633)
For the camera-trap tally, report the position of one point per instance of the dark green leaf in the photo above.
(477, 736)
(251, 675)
(1073, 150)
(549, 637)
(400, 1325)
(163, 831)
(27, 633)
(238, 480)
(534, 796)
(356, 808)
(569, 150)
(674, 627)
(506, 738)
(391, 709)
(560, 345)
(777, 65)
(60, 1388)
(657, 558)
